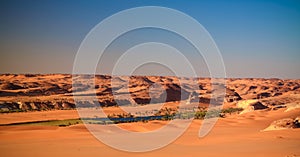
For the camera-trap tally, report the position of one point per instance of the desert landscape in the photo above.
(148, 78)
(40, 114)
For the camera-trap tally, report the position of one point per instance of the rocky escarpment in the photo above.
(55, 91)
(35, 106)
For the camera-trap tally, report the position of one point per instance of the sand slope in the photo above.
(236, 135)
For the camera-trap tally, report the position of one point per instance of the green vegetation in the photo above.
(169, 114)
(165, 114)
(216, 113)
(232, 110)
(60, 123)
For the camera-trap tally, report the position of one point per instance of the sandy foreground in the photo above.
(234, 136)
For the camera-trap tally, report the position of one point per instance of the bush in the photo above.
(232, 110)
(200, 114)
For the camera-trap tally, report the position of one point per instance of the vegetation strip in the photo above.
(61, 123)
(120, 119)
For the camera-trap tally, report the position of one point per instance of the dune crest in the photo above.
(250, 105)
(286, 123)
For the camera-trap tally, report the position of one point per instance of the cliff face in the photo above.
(55, 91)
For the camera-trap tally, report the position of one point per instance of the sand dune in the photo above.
(234, 136)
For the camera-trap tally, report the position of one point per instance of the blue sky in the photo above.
(256, 38)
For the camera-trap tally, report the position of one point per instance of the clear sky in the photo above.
(256, 38)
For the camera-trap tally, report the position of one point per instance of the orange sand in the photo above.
(234, 136)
